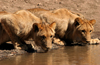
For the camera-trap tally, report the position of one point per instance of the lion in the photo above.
(71, 27)
(23, 25)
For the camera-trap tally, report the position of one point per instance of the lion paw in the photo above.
(21, 47)
(58, 42)
(94, 41)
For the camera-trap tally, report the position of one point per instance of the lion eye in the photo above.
(51, 36)
(90, 30)
(43, 37)
(83, 31)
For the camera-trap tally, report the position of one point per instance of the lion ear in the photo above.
(78, 21)
(92, 21)
(36, 27)
(53, 25)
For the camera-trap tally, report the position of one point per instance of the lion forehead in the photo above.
(47, 31)
(86, 26)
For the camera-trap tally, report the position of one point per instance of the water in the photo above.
(69, 55)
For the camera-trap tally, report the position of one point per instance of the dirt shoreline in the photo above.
(4, 54)
(7, 50)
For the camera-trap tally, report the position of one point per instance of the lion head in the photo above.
(43, 34)
(83, 29)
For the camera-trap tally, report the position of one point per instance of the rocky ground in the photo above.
(89, 8)
(7, 50)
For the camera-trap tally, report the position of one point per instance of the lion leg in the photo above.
(3, 35)
(14, 38)
(94, 41)
(58, 41)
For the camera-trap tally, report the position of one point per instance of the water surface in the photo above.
(69, 55)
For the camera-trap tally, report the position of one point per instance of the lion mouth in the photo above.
(81, 43)
(45, 49)
(40, 49)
